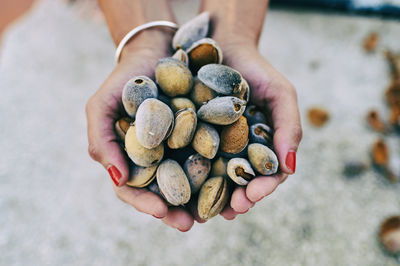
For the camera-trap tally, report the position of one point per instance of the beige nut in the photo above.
(201, 93)
(263, 159)
(141, 176)
(139, 154)
(184, 129)
(206, 140)
(180, 103)
(173, 183)
(213, 197)
(240, 171)
(193, 30)
(122, 126)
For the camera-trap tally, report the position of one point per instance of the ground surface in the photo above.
(57, 206)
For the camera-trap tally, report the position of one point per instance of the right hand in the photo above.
(103, 109)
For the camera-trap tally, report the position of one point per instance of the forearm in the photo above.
(236, 20)
(124, 15)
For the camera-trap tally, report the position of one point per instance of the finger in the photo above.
(239, 201)
(287, 125)
(142, 200)
(228, 213)
(103, 146)
(262, 186)
(178, 218)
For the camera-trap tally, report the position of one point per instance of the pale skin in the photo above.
(238, 38)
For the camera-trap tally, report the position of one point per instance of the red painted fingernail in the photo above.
(115, 174)
(243, 212)
(156, 217)
(182, 230)
(291, 161)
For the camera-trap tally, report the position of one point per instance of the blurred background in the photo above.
(57, 206)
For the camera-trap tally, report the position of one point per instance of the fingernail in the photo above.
(182, 230)
(156, 217)
(115, 174)
(243, 212)
(291, 161)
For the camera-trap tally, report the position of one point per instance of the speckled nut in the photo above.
(219, 167)
(139, 154)
(263, 159)
(201, 93)
(141, 176)
(173, 183)
(203, 52)
(213, 197)
(154, 121)
(181, 103)
(181, 55)
(197, 169)
(244, 93)
(206, 140)
(222, 110)
(222, 79)
(234, 137)
(389, 234)
(254, 115)
(261, 133)
(137, 90)
(240, 171)
(122, 126)
(174, 77)
(185, 126)
(193, 30)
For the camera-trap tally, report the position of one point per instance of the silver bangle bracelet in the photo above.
(129, 35)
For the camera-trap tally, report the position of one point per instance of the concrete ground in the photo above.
(57, 206)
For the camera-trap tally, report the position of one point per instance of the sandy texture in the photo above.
(57, 206)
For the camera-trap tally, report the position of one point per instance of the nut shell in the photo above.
(206, 140)
(181, 103)
(213, 197)
(254, 115)
(201, 93)
(223, 79)
(173, 183)
(184, 129)
(173, 77)
(135, 91)
(234, 137)
(141, 176)
(261, 133)
(240, 171)
(244, 93)
(122, 126)
(139, 154)
(203, 52)
(154, 120)
(181, 55)
(222, 110)
(263, 159)
(193, 30)
(197, 169)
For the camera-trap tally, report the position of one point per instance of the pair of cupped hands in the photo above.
(270, 91)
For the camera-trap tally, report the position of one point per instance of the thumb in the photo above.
(103, 145)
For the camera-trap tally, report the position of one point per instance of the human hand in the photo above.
(103, 109)
(277, 98)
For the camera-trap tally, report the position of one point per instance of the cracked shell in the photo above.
(122, 126)
(203, 52)
(141, 176)
(135, 91)
(173, 183)
(234, 137)
(240, 171)
(244, 91)
(222, 110)
(213, 197)
(201, 93)
(223, 79)
(219, 167)
(196, 169)
(254, 115)
(261, 133)
(139, 154)
(206, 140)
(181, 55)
(185, 126)
(154, 122)
(173, 77)
(263, 159)
(193, 30)
(181, 103)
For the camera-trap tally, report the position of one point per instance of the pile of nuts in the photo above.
(191, 133)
